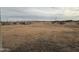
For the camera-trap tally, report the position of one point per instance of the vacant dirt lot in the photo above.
(41, 37)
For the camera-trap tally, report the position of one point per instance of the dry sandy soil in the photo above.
(41, 37)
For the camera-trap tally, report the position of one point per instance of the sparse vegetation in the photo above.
(42, 37)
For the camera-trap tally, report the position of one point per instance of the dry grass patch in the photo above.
(40, 37)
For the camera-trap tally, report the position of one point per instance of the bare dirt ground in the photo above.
(41, 37)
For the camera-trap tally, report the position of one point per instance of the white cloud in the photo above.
(71, 13)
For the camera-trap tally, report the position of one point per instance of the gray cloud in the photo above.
(31, 13)
(38, 13)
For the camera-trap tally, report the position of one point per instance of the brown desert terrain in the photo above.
(40, 37)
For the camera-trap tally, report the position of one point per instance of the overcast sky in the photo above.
(39, 13)
(71, 13)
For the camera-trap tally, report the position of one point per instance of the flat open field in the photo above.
(41, 37)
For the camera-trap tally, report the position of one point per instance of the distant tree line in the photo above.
(15, 23)
(30, 22)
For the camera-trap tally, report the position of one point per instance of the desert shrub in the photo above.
(14, 23)
(53, 22)
(61, 22)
